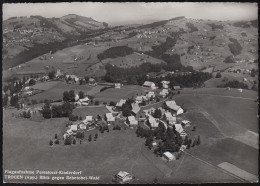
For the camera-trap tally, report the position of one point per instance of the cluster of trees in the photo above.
(27, 114)
(113, 52)
(169, 140)
(127, 108)
(103, 128)
(254, 72)
(158, 50)
(218, 75)
(64, 110)
(69, 96)
(194, 79)
(133, 75)
(52, 74)
(235, 47)
(235, 84)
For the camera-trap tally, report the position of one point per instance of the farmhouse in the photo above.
(170, 118)
(173, 106)
(169, 156)
(165, 84)
(164, 93)
(88, 119)
(120, 103)
(150, 94)
(135, 107)
(153, 122)
(84, 101)
(149, 84)
(178, 128)
(118, 85)
(76, 97)
(92, 82)
(149, 111)
(110, 117)
(82, 126)
(74, 127)
(132, 121)
(123, 176)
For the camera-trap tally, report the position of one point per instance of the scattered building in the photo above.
(149, 84)
(135, 107)
(84, 101)
(153, 123)
(169, 156)
(139, 99)
(150, 94)
(120, 103)
(74, 128)
(118, 85)
(165, 84)
(164, 93)
(173, 106)
(170, 118)
(110, 117)
(92, 82)
(132, 121)
(123, 176)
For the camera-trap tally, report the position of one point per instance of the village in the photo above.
(153, 110)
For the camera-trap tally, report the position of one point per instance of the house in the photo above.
(165, 84)
(92, 82)
(183, 147)
(88, 119)
(120, 103)
(76, 79)
(82, 126)
(132, 121)
(154, 144)
(169, 156)
(84, 101)
(176, 87)
(74, 127)
(135, 107)
(149, 84)
(58, 73)
(170, 118)
(164, 93)
(69, 132)
(118, 85)
(150, 94)
(153, 122)
(76, 97)
(26, 88)
(178, 128)
(110, 117)
(173, 106)
(240, 90)
(28, 93)
(123, 176)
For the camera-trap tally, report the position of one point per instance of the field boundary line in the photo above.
(207, 163)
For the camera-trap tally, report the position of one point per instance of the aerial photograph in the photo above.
(130, 93)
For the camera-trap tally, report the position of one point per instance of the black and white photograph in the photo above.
(130, 92)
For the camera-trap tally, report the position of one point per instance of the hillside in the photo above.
(179, 42)
(23, 36)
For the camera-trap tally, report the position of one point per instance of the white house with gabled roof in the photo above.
(149, 84)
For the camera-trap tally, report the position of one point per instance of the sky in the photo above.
(129, 13)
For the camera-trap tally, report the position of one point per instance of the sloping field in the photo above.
(45, 85)
(56, 92)
(239, 172)
(91, 111)
(125, 92)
